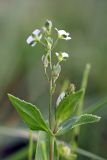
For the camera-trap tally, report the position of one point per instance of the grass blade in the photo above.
(94, 108)
(88, 154)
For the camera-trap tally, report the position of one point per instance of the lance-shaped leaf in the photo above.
(67, 106)
(77, 121)
(30, 114)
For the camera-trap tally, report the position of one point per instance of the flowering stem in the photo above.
(50, 92)
(50, 110)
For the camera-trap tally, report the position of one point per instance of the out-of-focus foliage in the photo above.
(21, 68)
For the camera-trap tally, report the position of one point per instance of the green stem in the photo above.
(50, 110)
(50, 104)
(55, 43)
(51, 148)
(51, 63)
(30, 145)
(46, 74)
(42, 43)
(50, 92)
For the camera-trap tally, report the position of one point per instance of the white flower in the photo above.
(30, 40)
(65, 55)
(63, 34)
(62, 56)
(34, 38)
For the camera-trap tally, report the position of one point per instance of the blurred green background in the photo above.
(21, 71)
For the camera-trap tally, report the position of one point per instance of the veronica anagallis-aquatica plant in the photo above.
(62, 118)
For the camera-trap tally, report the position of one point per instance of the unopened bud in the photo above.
(48, 26)
(56, 71)
(45, 61)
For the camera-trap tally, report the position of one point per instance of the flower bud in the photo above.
(48, 26)
(56, 71)
(71, 88)
(45, 60)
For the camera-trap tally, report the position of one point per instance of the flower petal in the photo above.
(36, 32)
(62, 32)
(65, 55)
(57, 54)
(67, 38)
(30, 39)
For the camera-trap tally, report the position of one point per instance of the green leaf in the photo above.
(42, 149)
(77, 121)
(67, 106)
(95, 107)
(30, 114)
